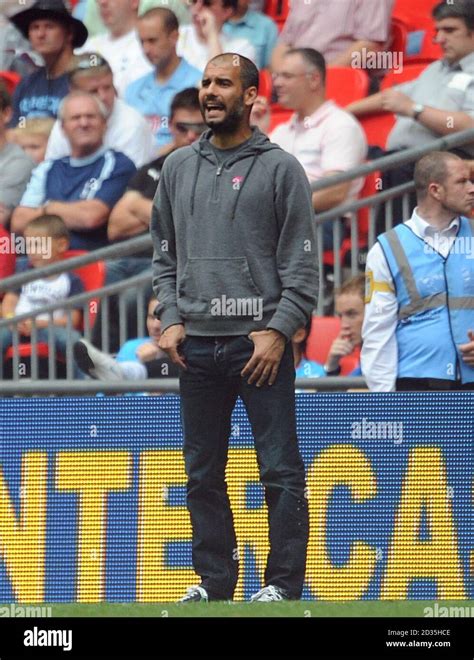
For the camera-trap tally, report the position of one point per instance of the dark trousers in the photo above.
(209, 390)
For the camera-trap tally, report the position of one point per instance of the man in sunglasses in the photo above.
(205, 39)
(131, 215)
(127, 131)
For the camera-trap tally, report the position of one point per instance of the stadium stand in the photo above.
(92, 277)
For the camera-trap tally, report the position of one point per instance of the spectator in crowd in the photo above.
(53, 34)
(338, 30)
(127, 131)
(87, 11)
(304, 367)
(137, 359)
(120, 45)
(15, 54)
(15, 165)
(349, 307)
(418, 331)
(152, 95)
(441, 100)
(132, 213)
(50, 234)
(33, 137)
(322, 136)
(84, 187)
(204, 38)
(260, 30)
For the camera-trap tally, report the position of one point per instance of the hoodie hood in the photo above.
(257, 144)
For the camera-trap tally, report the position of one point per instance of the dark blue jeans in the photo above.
(209, 390)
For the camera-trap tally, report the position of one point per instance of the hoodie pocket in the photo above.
(209, 285)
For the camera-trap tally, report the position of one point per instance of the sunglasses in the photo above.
(184, 127)
(206, 3)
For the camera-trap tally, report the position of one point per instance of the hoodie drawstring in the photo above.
(196, 177)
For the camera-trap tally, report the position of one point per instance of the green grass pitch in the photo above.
(414, 608)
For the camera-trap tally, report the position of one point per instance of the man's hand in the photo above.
(260, 114)
(340, 347)
(147, 352)
(397, 102)
(208, 24)
(266, 358)
(467, 350)
(169, 342)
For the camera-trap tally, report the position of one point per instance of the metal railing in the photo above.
(26, 387)
(382, 200)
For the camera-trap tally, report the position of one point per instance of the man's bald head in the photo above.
(249, 76)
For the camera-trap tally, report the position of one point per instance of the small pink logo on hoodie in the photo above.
(236, 181)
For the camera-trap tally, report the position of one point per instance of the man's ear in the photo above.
(250, 95)
(7, 114)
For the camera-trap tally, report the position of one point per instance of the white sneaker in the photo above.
(96, 363)
(269, 594)
(195, 595)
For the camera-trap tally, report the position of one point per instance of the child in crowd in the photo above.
(33, 137)
(349, 306)
(47, 239)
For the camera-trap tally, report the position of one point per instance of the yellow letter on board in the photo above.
(22, 539)
(92, 474)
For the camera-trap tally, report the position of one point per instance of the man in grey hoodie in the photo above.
(235, 270)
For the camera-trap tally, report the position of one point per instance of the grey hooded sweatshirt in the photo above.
(234, 240)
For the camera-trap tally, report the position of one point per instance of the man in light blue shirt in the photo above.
(152, 94)
(260, 30)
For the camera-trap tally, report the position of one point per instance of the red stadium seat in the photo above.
(369, 189)
(10, 80)
(92, 277)
(266, 85)
(377, 127)
(324, 330)
(413, 14)
(7, 257)
(278, 10)
(345, 85)
(398, 36)
(279, 115)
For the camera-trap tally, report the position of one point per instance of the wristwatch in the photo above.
(417, 110)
